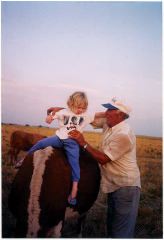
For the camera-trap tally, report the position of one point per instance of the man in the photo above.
(119, 171)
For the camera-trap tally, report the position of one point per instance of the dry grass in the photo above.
(149, 155)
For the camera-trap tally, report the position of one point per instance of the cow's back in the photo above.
(54, 188)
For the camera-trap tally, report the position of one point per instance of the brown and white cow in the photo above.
(38, 198)
(22, 141)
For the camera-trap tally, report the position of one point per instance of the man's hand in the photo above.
(77, 136)
(101, 157)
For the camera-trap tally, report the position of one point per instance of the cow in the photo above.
(22, 141)
(39, 193)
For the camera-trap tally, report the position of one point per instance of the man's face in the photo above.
(113, 117)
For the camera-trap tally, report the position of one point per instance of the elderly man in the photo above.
(119, 170)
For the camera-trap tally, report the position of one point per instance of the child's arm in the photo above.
(53, 110)
(51, 113)
(49, 119)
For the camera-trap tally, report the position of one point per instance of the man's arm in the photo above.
(99, 120)
(100, 115)
(51, 112)
(99, 156)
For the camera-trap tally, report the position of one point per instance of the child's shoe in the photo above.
(72, 201)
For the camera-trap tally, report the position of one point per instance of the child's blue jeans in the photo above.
(72, 151)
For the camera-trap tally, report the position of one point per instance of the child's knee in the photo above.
(40, 144)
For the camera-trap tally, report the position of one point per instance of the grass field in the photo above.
(149, 157)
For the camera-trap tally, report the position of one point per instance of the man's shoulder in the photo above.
(122, 129)
(126, 134)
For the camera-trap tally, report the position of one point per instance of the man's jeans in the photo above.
(122, 212)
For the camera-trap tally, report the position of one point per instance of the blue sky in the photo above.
(107, 49)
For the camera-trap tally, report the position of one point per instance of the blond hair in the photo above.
(77, 99)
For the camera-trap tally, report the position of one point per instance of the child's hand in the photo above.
(49, 119)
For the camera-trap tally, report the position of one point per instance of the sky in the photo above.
(107, 49)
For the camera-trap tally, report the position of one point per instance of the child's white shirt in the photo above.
(69, 121)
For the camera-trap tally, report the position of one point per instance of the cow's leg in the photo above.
(21, 228)
(55, 231)
(11, 152)
(16, 155)
(75, 220)
(13, 155)
(80, 224)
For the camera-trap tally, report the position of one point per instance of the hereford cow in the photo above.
(38, 198)
(22, 141)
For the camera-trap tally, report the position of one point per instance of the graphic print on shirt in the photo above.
(73, 122)
(65, 120)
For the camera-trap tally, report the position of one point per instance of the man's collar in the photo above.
(119, 125)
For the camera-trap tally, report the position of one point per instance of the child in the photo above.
(74, 117)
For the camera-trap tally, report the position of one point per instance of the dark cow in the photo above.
(38, 198)
(22, 141)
